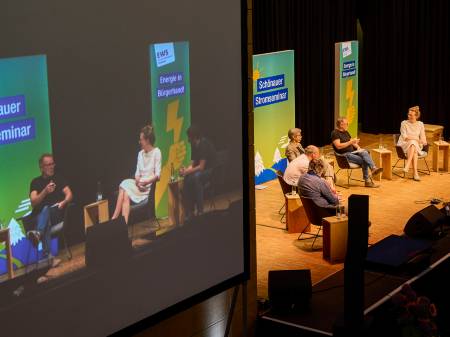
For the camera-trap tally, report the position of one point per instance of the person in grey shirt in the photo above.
(312, 186)
(294, 149)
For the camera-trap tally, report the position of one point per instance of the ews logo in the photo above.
(164, 53)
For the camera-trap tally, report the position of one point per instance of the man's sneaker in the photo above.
(53, 261)
(34, 237)
(42, 279)
(369, 183)
(376, 171)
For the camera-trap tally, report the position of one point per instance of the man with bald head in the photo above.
(299, 166)
(49, 195)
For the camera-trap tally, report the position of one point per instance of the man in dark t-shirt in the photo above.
(203, 160)
(49, 195)
(344, 144)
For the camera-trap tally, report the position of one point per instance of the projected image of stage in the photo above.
(174, 209)
(122, 173)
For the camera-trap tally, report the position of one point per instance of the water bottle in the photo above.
(99, 191)
(338, 210)
(172, 173)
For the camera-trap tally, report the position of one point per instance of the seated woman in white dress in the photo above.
(148, 171)
(412, 139)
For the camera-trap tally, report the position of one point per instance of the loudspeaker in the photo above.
(107, 244)
(423, 223)
(358, 236)
(289, 289)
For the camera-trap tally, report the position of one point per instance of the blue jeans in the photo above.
(47, 217)
(193, 191)
(363, 159)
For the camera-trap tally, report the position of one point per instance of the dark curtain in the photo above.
(310, 28)
(405, 62)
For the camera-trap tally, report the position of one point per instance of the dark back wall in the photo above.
(310, 28)
(404, 58)
(405, 62)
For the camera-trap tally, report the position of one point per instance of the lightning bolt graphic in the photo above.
(173, 122)
(349, 95)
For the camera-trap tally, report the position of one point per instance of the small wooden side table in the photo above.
(330, 161)
(334, 238)
(437, 148)
(4, 237)
(176, 210)
(383, 158)
(433, 132)
(96, 212)
(296, 219)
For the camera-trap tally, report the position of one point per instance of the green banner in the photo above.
(274, 111)
(24, 135)
(346, 84)
(171, 114)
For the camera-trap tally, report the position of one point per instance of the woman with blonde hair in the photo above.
(148, 171)
(412, 139)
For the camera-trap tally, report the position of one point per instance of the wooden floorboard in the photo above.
(390, 207)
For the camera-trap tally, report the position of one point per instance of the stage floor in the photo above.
(390, 207)
(141, 234)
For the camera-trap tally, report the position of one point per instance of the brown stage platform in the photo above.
(390, 207)
(142, 237)
(327, 301)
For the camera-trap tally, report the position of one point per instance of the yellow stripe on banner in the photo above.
(177, 151)
(349, 94)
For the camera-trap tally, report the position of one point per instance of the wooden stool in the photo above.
(383, 158)
(433, 132)
(334, 238)
(296, 219)
(4, 237)
(330, 161)
(96, 212)
(438, 147)
(175, 201)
